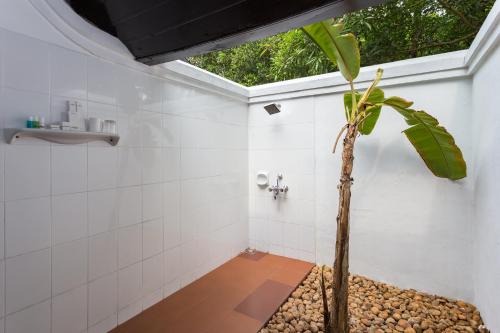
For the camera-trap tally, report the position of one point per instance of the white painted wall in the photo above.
(408, 227)
(95, 234)
(486, 137)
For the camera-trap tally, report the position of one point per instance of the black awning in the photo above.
(157, 31)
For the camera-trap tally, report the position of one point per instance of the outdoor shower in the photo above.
(273, 108)
(278, 188)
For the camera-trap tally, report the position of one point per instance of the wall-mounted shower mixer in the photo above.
(278, 188)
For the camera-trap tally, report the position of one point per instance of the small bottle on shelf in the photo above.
(29, 122)
(41, 124)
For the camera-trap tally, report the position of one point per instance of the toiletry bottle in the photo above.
(42, 123)
(29, 122)
(36, 122)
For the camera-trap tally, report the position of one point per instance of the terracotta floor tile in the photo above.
(235, 322)
(264, 301)
(290, 276)
(208, 304)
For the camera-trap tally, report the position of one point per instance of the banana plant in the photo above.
(432, 142)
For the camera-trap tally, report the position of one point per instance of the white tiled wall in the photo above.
(283, 143)
(93, 234)
(408, 227)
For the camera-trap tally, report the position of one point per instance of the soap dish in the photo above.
(262, 178)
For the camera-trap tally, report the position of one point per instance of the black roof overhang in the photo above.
(157, 31)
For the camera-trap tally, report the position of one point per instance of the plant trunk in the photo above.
(339, 315)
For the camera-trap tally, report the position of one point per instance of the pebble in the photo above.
(374, 307)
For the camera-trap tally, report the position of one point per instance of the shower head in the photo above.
(273, 108)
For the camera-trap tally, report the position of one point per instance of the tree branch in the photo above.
(447, 6)
(444, 43)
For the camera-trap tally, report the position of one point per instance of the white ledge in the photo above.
(60, 136)
(435, 67)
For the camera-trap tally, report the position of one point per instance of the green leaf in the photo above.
(398, 102)
(341, 49)
(372, 114)
(372, 111)
(433, 142)
(376, 96)
(348, 103)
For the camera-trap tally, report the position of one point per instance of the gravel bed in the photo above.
(374, 307)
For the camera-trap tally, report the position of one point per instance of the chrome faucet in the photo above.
(276, 189)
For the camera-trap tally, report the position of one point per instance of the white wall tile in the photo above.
(129, 205)
(129, 285)
(152, 274)
(68, 169)
(171, 200)
(102, 211)
(150, 91)
(129, 127)
(291, 236)
(172, 264)
(151, 165)
(102, 168)
(17, 106)
(171, 163)
(104, 326)
(129, 311)
(2, 172)
(172, 232)
(151, 130)
(25, 63)
(101, 81)
(27, 172)
(152, 298)
(68, 73)
(171, 287)
(33, 319)
(129, 166)
(307, 239)
(129, 245)
(2, 288)
(69, 311)
(127, 94)
(151, 201)
(152, 238)
(27, 225)
(69, 217)
(171, 128)
(296, 136)
(103, 298)
(69, 265)
(103, 254)
(27, 280)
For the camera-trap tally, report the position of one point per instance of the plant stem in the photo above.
(354, 109)
(339, 314)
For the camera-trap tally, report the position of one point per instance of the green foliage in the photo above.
(396, 30)
(372, 111)
(341, 49)
(434, 144)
